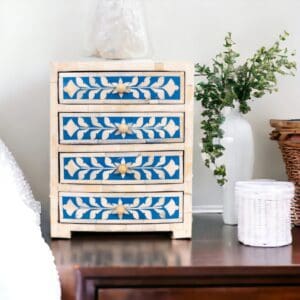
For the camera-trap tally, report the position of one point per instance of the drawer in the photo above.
(121, 87)
(122, 168)
(120, 207)
(115, 128)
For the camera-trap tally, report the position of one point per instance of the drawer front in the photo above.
(122, 168)
(115, 128)
(121, 87)
(120, 207)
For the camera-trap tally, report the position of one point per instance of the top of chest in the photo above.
(122, 82)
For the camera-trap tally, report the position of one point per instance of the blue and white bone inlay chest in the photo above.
(121, 147)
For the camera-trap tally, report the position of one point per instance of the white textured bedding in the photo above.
(27, 269)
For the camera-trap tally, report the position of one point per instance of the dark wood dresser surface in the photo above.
(213, 265)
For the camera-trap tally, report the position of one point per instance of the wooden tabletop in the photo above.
(213, 256)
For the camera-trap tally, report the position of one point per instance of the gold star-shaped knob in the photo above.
(121, 88)
(120, 210)
(123, 128)
(122, 169)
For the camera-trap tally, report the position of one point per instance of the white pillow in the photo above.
(27, 265)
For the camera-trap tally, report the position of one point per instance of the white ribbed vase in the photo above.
(264, 212)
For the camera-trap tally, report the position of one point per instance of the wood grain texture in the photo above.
(212, 263)
(186, 71)
(221, 293)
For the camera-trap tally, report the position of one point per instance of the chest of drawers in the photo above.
(121, 147)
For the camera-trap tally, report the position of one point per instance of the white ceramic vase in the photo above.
(238, 158)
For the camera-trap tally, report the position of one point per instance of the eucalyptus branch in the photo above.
(225, 84)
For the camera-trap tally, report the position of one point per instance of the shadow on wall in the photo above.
(24, 119)
(34, 33)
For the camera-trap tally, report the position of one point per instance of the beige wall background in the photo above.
(35, 32)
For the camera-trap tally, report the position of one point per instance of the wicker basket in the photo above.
(264, 212)
(287, 133)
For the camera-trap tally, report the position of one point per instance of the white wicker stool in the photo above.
(264, 212)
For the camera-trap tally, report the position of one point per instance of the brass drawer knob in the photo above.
(123, 128)
(122, 169)
(121, 88)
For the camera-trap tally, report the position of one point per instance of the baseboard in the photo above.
(208, 209)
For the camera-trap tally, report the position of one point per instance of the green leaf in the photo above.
(227, 84)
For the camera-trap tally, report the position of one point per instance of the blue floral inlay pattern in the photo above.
(121, 208)
(81, 128)
(91, 87)
(122, 168)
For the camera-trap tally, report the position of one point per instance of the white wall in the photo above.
(35, 32)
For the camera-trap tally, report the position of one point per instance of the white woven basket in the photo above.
(264, 212)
